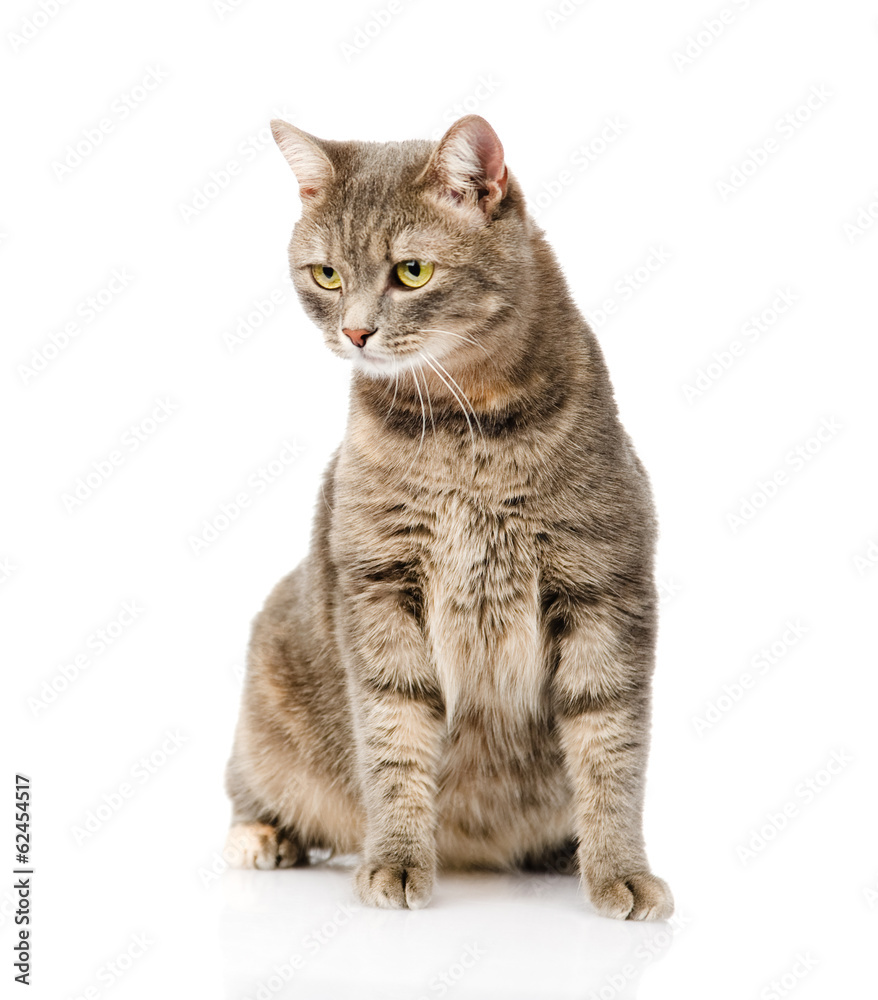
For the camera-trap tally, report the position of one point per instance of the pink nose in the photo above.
(358, 337)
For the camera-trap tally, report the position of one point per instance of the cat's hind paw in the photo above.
(260, 845)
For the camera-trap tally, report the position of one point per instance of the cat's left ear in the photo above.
(310, 164)
(468, 165)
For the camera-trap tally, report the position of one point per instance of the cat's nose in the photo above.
(357, 337)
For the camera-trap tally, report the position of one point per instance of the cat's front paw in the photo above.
(639, 896)
(394, 885)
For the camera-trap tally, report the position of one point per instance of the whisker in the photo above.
(325, 501)
(430, 359)
(459, 402)
(461, 336)
(457, 386)
(423, 412)
(429, 403)
(395, 388)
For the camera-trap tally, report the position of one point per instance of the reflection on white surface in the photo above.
(300, 932)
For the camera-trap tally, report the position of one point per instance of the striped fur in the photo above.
(459, 672)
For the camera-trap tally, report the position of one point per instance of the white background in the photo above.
(187, 197)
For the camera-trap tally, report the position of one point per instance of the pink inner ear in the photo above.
(470, 161)
(490, 154)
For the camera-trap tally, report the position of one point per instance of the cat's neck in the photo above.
(480, 405)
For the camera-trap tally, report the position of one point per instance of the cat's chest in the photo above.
(481, 578)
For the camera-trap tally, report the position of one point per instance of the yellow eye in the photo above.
(326, 276)
(414, 273)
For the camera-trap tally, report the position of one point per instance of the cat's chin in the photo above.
(373, 371)
(374, 367)
(382, 365)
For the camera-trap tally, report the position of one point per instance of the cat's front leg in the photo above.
(602, 706)
(399, 722)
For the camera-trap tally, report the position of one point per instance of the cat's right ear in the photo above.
(310, 164)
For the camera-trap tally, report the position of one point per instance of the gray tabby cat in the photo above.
(459, 672)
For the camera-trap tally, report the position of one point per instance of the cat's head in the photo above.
(406, 251)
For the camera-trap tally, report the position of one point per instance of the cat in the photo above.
(458, 675)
